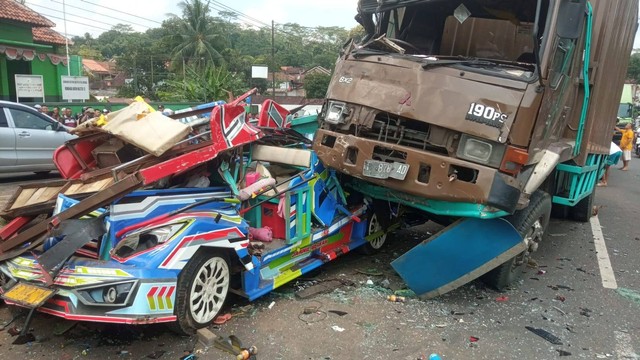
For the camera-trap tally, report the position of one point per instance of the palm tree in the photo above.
(196, 35)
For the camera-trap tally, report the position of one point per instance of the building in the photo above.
(290, 79)
(28, 46)
(104, 79)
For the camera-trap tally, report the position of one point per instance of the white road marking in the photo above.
(606, 271)
(624, 349)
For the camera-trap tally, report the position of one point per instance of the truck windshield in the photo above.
(500, 33)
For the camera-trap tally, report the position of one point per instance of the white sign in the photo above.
(75, 88)
(29, 86)
(259, 71)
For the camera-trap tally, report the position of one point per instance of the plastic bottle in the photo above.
(434, 357)
(395, 298)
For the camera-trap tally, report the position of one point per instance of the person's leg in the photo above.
(626, 157)
(605, 177)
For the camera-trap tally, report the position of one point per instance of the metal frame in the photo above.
(574, 183)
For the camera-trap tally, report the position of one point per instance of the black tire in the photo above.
(583, 210)
(42, 173)
(215, 266)
(377, 220)
(523, 221)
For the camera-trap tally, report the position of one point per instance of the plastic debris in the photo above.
(560, 298)
(502, 299)
(585, 312)
(473, 339)
(222, 319)
(542, 272)
(545, 335)
(407, 293)
(369, 282)
(434, 357)
(629, 295)
(337, 328)
(273, 303)
(385, 283)
(370, 272)
(395, 298)
(563, 353)
(338, 312)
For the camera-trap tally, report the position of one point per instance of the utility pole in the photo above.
(66, 37)
(273, 61)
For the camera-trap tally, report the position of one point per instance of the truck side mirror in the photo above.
(572, 13)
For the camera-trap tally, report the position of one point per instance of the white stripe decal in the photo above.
(606, 271)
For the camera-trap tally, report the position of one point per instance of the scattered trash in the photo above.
(188, 355)
(502, 298)
(64, 326)
(273, 303)
(313, 314)
(222, 319)
(337, 328)
(233, 345)
(406, 293)
(441, 325)
(156, 354)
(385, 283)
(561, 298)
(320, 288)
(369, 282)
(559, 310)
(542, 272)
(545, 335)
(395, 298)
(434, 357)
(473, 339)
(585, 312)
(338, 312)
(14, 331)
(563, 353)
(370, 272)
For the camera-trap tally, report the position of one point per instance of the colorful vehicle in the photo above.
(173, 255)
(491, 112)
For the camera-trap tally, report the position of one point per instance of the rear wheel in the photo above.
(531, 222)
(203, 286)
(583, 210)
(377, 224)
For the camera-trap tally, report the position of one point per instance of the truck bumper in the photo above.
(430, 175)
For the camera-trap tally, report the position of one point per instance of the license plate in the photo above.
(28, 295)
(383, 170)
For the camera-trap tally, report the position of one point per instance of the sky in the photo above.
(96, 16)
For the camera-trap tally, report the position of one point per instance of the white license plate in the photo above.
(383, 170)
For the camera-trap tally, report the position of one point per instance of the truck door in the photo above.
(36, 137)
(7, 142)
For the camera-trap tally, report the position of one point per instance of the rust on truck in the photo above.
(466, 101)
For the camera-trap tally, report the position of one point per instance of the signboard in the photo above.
(29, 86)
(259, 71)
(75, 87)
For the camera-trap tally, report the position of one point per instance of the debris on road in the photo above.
(320, 288)
(563, 353)
(394, 298)
(338, 312)
(628, 294)
(545, 335)
(156, 354)
(273, 303)
(370, 272)
(502, 299)
(337, 328)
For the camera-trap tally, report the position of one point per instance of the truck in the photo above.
(486, 115)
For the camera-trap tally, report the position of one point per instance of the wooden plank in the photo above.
(84, 207)
(23, 196)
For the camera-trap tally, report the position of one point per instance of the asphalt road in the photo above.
(591, 307)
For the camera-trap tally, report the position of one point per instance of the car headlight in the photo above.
(481, 151)
(335, 112)
(146, 239)
(114, 294)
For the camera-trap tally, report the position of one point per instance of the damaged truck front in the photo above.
(486, 111)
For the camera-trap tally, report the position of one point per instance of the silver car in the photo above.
(28, 139)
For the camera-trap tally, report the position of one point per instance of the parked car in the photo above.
(28, 139)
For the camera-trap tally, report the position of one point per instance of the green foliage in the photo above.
(633, 71)
(198, 37)
(204, 85)
(316, 85)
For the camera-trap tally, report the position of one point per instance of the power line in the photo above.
(102, 15)
(122, 12)
(77, 22)
(241, 13)
(70, 14)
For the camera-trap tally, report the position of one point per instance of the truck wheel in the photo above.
(531, 222)
(374, 225)
(203, 286)
(584, 208)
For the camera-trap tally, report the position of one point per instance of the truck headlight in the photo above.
(335, 112)
(481, 151)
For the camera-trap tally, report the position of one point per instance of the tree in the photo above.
(197, 36)
(204, 85)
(316, 85)
(633, 71)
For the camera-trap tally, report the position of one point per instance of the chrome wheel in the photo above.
(374, 227)
(209, 290)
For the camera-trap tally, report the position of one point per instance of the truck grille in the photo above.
(392, 129)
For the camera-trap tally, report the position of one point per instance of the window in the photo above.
(3, 119)
(26, 120)
(561, 65)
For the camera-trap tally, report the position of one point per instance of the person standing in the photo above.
(56, 114)
(614, 155)
(68, 118)
(626, 144)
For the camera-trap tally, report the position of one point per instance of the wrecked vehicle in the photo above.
(235, 208)
(484, 113)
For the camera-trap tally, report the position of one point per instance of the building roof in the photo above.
(99, 67)
(13, 10)
(47, 35)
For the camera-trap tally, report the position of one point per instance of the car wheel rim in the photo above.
(209, 290)
(374, 227)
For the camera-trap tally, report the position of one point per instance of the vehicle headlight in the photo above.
(146, 239)
(335, 112)
(481, 151)
(114, 294)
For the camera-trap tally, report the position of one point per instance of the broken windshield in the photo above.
(498, 30)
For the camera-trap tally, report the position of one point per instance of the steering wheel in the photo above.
(405, 44)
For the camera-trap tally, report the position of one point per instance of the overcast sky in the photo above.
(96, 17)
(99, 14)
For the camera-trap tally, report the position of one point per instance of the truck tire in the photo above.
(203, 286)
(583, 210)
(375, 223)
(531, 222)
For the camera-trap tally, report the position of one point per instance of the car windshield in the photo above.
(499, 32)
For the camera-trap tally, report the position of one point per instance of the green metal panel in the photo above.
(437, 207)
(574, 183)
(4, 80)
(50, 78)
(12, 33)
